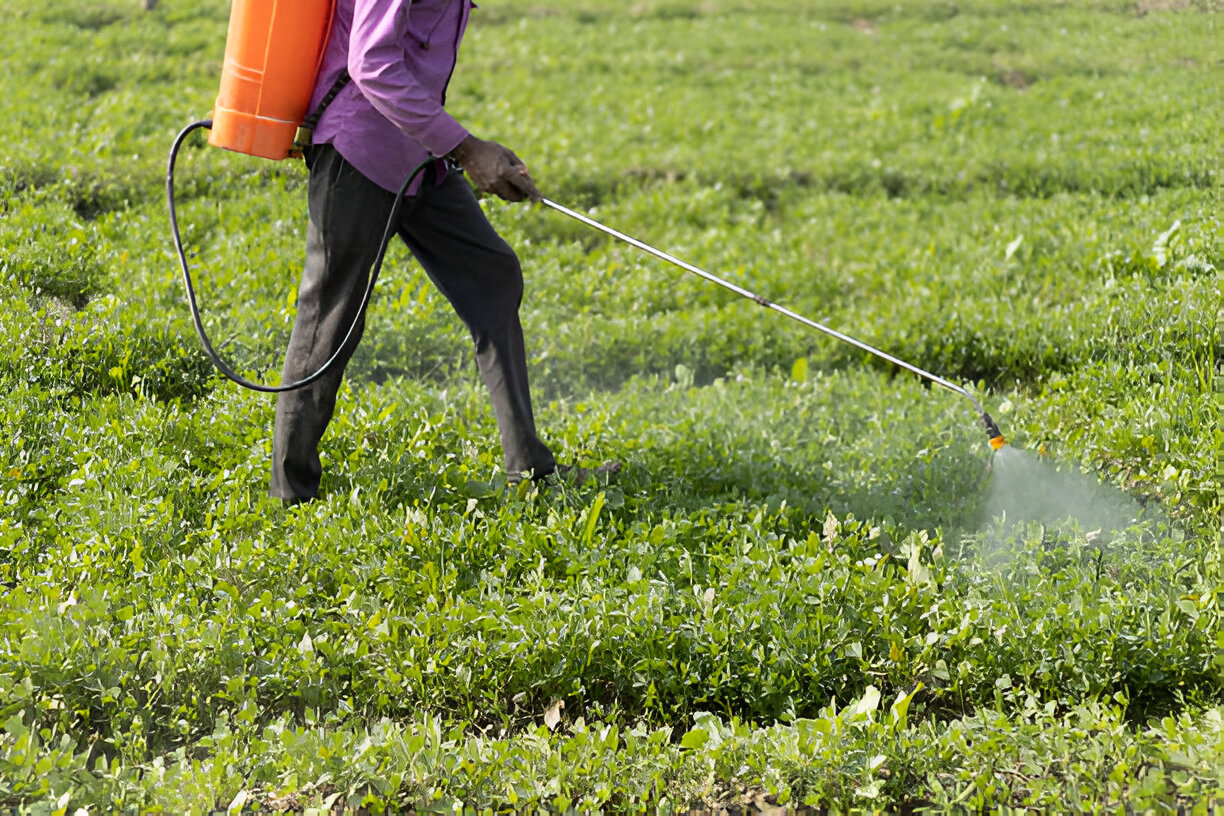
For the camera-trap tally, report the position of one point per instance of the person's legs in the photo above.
(480, 275)
(348, 215)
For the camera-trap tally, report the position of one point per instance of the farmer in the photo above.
(377, 127)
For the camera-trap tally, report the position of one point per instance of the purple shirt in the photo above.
(401, 54)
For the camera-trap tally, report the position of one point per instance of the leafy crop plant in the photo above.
(801, 592)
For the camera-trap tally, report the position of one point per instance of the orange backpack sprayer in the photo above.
(272, 56)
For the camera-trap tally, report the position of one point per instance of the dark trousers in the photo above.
(466, 259)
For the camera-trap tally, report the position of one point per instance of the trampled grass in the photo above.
(802, 589)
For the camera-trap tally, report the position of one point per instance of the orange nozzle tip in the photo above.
(997, 442)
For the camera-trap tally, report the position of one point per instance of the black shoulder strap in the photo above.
(304, 133)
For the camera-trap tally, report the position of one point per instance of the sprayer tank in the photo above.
(271, 61)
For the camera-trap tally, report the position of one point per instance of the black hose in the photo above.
(392, 220)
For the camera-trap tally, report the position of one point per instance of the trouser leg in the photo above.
(480, 275)
(470, 264)
(348, 214)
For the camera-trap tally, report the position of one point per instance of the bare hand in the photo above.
(495, 169)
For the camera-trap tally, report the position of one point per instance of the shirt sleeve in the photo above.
(378, 68)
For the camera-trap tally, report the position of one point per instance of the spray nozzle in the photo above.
(996, 436)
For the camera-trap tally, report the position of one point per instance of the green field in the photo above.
(813, 584)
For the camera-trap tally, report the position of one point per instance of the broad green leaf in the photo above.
(694, 739)
(799, 371)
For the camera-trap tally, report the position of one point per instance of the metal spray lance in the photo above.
(996, 437)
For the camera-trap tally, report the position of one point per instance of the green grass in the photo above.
(797, 592)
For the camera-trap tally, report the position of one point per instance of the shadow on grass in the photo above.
(871, 479)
